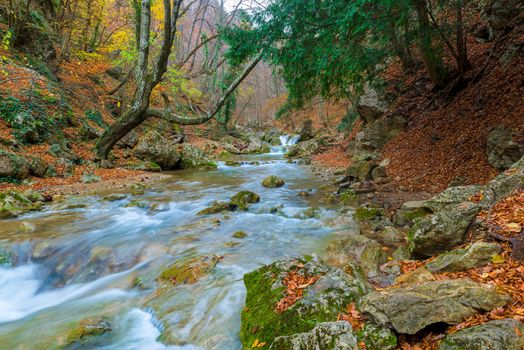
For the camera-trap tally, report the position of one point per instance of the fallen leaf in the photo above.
(255, 343)
(497, 259)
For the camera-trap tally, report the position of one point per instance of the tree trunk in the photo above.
(462, 50)
(431, 59)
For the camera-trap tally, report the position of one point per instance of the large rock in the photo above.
(38, 167)
(501, 150)
(499, 14)
(451, 196)
(13, 166)
(192, 157)
(476, 254)
(242, 199)
(361, 170)
(15, 203)
(441, 231)
(321, 301)
(493, 335)
(156, 148)
(273, 181)
(87, 329)
(366, 251)
(504, 184)
(309, 148)
(412, 308)
(371, 105)
(325, 336)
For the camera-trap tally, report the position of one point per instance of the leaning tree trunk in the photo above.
(145, 80)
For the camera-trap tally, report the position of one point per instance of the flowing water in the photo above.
(89, 257)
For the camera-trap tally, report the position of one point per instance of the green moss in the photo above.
(367, 214)
(217, 207)
(239, 234)
(243, 198)
(417, 214)
(189, 270)
(273, 182)
(348, 197)
(88, 328)
(5, 256)
(233, 163)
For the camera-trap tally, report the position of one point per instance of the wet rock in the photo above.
(192, 157)
(154, 147)
(451, 196)
(321, 301)
(392, 236)
(309, 213)
(243, 198)
(273, 182)
(441, 231)
(137, 189)
(15, 203)
(476, 254)
(492, 335)
(239, 234)
(378, 173)
(26, 227)
(189, 270)
(309, 148)
(129, 141)
(6, 255)
(217, 207)
(136, 203)
(233, 163)
(13, 166)
(501, 150)
(326, 336)
(412, 308)
(232, 244)
(114, 197)
(87, 329)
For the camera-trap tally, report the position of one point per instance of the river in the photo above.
(86, 257)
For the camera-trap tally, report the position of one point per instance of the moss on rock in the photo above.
(367, 214)
(189, 270)
(273, 181)
(243, 198)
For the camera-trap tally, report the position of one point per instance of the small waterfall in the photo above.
(289, 140)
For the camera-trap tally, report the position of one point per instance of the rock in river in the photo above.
(273, 182)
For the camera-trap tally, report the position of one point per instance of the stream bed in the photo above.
(90, 257)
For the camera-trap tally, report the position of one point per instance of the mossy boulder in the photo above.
(137, 189)
(321, 301)
(15, 203)
(325, 336)
(114, 197)
(441, 231)
(474, 255)
(233, 163)
(243, 198)
(90, 178)
(217, 207)
(192, 157)
(506, 334)
(144, 166)
(189, 270)
(361, 170)
(155, 147)
(87, 330)
(13, 166)
(273, 182)
(411, 308)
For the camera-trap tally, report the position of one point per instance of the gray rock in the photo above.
(12, 165)
(476, 254)
(501, 150)
(493, 335)
(361, 170)
(88, 132)
(192, 157)
(156, 148)
(90, 178)
(451, 196)
(504, 184)
(38, 167)
(441, 231)
(499, 13)
(412, 308)
(325, 336)
(306, 131)
(371, 105)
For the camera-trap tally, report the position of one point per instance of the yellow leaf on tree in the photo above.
(497, 259)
